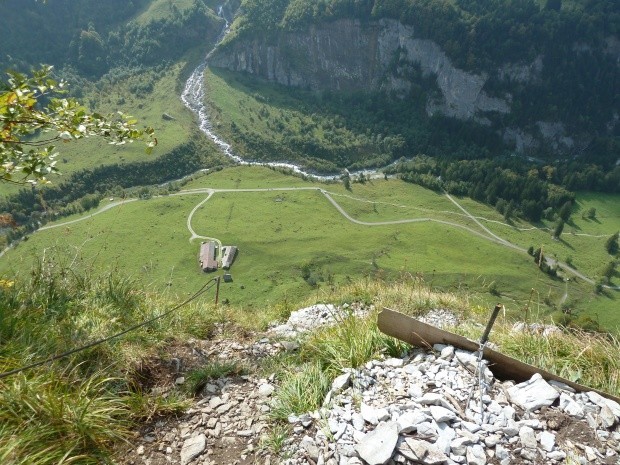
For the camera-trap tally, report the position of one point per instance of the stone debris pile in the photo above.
(224, 427)
(426, 409)
(307, 319)
(310, 318)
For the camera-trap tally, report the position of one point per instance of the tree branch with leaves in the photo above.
(34, 114)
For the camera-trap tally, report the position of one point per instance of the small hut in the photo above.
(228, 257)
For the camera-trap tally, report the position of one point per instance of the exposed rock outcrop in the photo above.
(387, 55)
(354, 55)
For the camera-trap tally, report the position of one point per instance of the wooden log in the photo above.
(423, 335)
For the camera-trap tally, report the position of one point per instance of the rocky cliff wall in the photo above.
(352, 55)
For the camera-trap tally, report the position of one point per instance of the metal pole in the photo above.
(483, 341)
(485, 336)
(217, 291)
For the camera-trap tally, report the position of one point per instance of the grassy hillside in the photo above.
(162, 9)
(269, 123)
(298, 244)
(146, 95)
(82, 409)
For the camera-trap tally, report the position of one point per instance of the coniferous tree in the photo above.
(611, 245)
(565, 211)
(558, 229)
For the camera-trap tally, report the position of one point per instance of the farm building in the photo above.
(228, 257)
(207, 257)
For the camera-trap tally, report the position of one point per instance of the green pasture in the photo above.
(295, 243)
(250, 177)
(275, 122)
(607, 208)
(392, 200)
(250, 104)
(161, 9)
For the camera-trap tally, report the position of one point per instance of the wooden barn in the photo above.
(207, 257)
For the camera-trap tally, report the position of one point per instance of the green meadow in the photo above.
(294, 244)
(161, 9)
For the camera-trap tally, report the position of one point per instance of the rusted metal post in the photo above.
(217, 291)
(485, 336)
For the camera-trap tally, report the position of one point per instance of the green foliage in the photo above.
(565, 211)
(165, 36)
(276, 438)
(557, 232)
(100, 36)
(586, 358)
(505, 183)
(50, 417)
(67, 28)
(608, 271)
(349, 344)
(590, 214)
(78, 409)
(144, 406)
(29, 106)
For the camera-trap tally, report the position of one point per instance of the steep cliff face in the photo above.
(532, 105)
(339, 55)
(352, 55)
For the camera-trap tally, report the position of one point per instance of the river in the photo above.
(193, 97)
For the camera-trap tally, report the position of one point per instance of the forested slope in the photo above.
(93, 37)
(543, 75)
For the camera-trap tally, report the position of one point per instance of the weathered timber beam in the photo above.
(421, 334)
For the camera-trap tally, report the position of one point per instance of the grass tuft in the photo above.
(349, 344)
(586, 358)
(197, 379)
(301, 391)
(53, 418)
(275, 440)
(146, 406)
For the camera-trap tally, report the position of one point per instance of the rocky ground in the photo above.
(424, 408)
